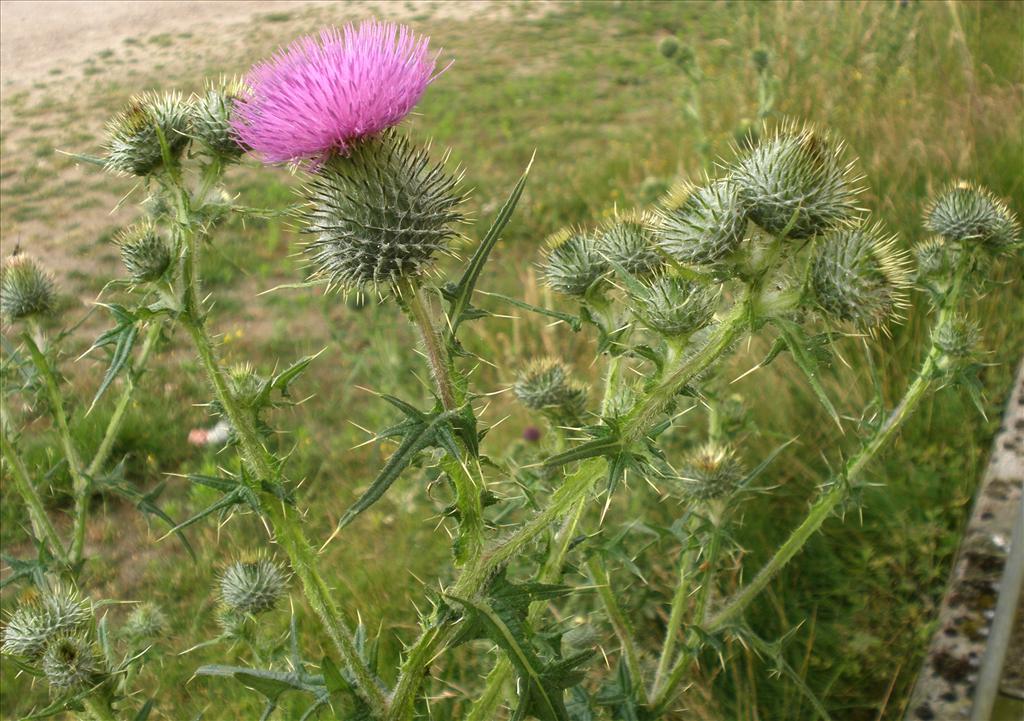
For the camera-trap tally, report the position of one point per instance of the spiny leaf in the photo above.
(574, 322)
(604, 446)
(801, 347)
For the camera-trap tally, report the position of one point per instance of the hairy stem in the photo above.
(678, 609)
(599, 575)
(124, 401)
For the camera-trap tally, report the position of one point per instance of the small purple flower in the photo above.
(323, 95)
(531, 434)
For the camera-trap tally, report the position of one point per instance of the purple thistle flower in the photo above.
(323, 95)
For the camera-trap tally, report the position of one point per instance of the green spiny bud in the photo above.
(965, 214)
(252, 586)
(146, 623)
(144, 252)
(572, 264)
(795, 179)
(675, 306)
(935, 260)
(57, 611)
(668, 46)
(700, 225)
(245, 384)
(627, 240)
(71, 662)
(26, 290)
(957, 337)
(761, 58)
(211, 119)
(546, 385)
(133, 146)
(858, 275)
(380, 214)
(711, 472)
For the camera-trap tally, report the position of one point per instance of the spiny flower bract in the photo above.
(957, 337)
(711, 472)
(795, 178)
(546, 384)
(965, 213)
(572, 263)
(323, 94)
(253, 585)
(211, 119)
(71, 662)
(32, 625)
(380, 215)
(627, 240)
(858, 275)
(144, 252)
(674, 306)
(26, 290)
(133, 145)
(700, 225)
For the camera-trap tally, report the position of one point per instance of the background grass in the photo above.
(923, 93)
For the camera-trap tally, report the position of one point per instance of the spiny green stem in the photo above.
(599, 575)
(79, 483)
(123, 402)
(678, 608)
(433, 344)
(41, 525)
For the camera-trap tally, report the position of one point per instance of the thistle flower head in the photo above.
(253, 585)
(133, 145)
(546, 385)
(211, 118)
(144, 252)
(957, 337)
(858, 275)
(711, 472)
(380, 215)
(674, 306)
(795, 178)
(700, 225)
(56, 611)
(26, 290)
(324, 94)
(627, 240)
(146, 623)
(572, 263)
(968, 214)
(71, 662)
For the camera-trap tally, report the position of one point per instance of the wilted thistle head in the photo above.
(252, 586)
(700, 225)
(54, 612)
(26, 290)
(133, 146)
(144, 251)
(324, 94)
(71, 662)
(146, 623)
(211, 119)
(967, 214)
(957, 337)
(627, 240)
(572, 263)
(674, 306)
(858, 275)
(796, 172)
(380, 215)
(546, 385)
(711, 472)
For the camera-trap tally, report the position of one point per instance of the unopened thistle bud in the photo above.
(628, 240)
(146, 623)
(935, 259)
(957, 337)
(144, 252)
(675, 306)
(761, 58)
(380, 214)
(796, 179)
(71, 662)
(858, 275)
(700, 225)
(26, 290)
(711, 472)
(546, 385)
(253, 586)
(133, 145)
(572, 263)
(967, 214)
(211, 119)
(245, 384)
(57, 611)
(668, 46)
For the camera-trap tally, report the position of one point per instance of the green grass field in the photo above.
(923, 93)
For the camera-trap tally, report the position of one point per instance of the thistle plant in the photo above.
(775, 247)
